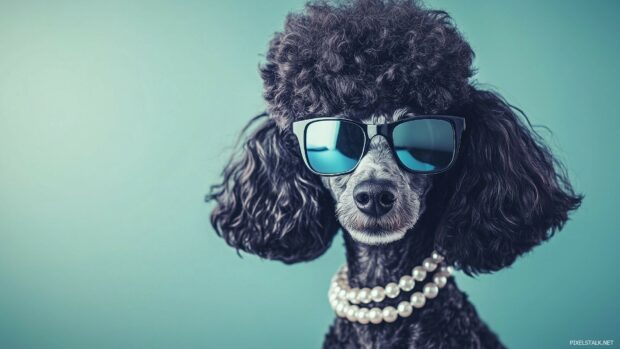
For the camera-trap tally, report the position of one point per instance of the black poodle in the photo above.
(426, 172)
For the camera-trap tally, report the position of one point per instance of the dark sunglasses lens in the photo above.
(424, 145)
(333, 146)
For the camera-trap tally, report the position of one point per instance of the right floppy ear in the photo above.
(269, 203)
(506, 194)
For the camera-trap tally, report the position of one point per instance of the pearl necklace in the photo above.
(343, 299)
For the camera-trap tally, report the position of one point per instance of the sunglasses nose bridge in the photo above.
(374, 130)
(377, 130)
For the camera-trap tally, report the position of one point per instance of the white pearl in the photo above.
(352, 295)
(352, 312)
(447, 269)
(430, 290)
(333, 303)
(406, 283)
(392, 290)
(375, 316)
(364, 295)
(417, 300)
(362, 315)
(340, 309)
(377, 294)
(419, 273)
(389, 314)
(429, 264)
(342, 297)
(333, 296)
(333, 299)
(440, 279)
(334, 289)
(404, 309)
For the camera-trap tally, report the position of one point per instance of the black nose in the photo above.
(374, 197)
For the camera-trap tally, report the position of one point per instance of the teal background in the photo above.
(116, 116)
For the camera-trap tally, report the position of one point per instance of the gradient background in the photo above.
(115, 118)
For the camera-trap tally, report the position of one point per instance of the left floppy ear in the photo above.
(269, 203)
(505, 194)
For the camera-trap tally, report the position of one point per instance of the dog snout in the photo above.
(374, 197)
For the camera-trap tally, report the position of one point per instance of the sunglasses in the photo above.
(423, 144)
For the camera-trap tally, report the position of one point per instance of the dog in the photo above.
(371, 66)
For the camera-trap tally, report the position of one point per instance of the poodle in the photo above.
(429, 172)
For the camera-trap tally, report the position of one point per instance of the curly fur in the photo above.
(267, 205)
(365, 56)
(505, 194)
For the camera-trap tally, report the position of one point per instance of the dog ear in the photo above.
(269, 204)
(506, 193)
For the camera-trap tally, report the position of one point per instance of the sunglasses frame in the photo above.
(386, 130)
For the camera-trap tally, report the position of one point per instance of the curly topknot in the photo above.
(365, 55)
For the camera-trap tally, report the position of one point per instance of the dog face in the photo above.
(379, 202)
(505, 193)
